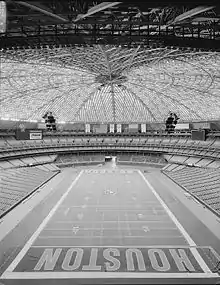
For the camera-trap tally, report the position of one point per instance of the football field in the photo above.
(110, 224)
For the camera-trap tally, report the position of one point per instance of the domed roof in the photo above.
(110, 84)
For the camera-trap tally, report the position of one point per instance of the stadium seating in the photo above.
(141, 159)
(138, 158)
(204, 184)
(97, 158)
(182, 148)
(71, 159)
(16, 184)
(62, 140)
(26, 161)
(124, 158)
(48, 167)
(201, 161)
(179, 151)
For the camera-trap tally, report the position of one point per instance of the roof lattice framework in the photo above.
(110, 84)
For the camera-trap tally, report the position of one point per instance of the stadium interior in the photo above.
(109, 142)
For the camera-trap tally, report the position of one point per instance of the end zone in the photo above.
(109, 262)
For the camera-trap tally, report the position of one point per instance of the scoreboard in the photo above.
(29, 134)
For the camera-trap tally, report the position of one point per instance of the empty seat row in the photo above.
(71, 158)
(16, 184)
(201, 182)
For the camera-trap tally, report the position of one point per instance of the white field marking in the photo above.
(128, 226)
(119, 229)
(217, 256)
(108, 206)
(114, 246)
(75, 230)
(190, 241)
(145, 229)
(170, 214)
(117, 236)
(69, 229)
(133, 210)
(104, 275)
(66, 211)
(144, 211)
(140, 216)
(105, 222)
(35, 235)
(199, 259)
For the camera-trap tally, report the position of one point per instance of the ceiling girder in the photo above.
(98, 8)
(43, 9)
(190, 13)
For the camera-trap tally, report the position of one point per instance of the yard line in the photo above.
(144, 221)
(129, 229)
(114, 246)
(119, 228)
(112, 228)
(130, 210)
(102, 229)
(102, 236)
(107, 205)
